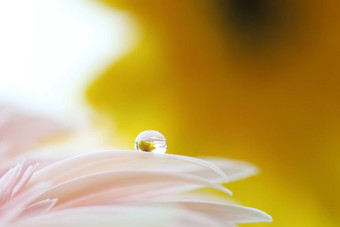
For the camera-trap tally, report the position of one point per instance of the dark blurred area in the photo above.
(257, 22)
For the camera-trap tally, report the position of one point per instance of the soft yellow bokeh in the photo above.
(259, 84)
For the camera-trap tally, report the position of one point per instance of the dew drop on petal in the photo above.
(151, 141)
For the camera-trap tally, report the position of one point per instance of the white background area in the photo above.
(50, 50)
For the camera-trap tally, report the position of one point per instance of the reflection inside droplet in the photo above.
(151, 141)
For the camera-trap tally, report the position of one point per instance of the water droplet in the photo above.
(151, 141)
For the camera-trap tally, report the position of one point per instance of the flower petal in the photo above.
(166, 213)
(20, 131)
(147, 216)
(38, 208)
(224, 212)
(236, 170)
(12, 209)
(109, 187)
(144, 215)
(117, 160)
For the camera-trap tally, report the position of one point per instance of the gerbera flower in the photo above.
(122, 188)
(113, 188)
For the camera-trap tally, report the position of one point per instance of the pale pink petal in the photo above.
(24, 179)
(142, 215)
(119, 160)
(196, 195)
(229, 213)
(40, 207)
(191, 218)
(12, 209)
(236, 170)
(120, 186)
(8, 182)
(169, 214)
(20, 131)
(13, 201)
(104, 216)
(29, 161)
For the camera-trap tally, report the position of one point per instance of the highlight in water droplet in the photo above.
(151, 141)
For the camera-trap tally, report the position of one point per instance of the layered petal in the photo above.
(165, 213)
(96, 162)
(121, 186)
(110, 186)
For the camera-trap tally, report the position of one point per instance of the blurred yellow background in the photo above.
(256, 80)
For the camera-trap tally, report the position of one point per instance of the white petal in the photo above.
(38, 208)
(91, 163)
(235, 169)
(12, 209)
(109, 187)
(143, 216)
(225, 212)
(24, 178)
(168, 214)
